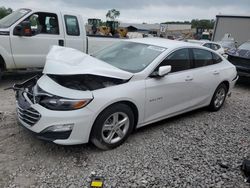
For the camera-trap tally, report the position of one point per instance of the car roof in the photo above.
(161, 42)
(51, 10)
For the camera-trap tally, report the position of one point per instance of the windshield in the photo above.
(245, 46)
(130, 56)
(7, 21)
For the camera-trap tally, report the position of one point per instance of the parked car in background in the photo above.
(212, 45)
(227, 45)
(227, 42)
(104, 97)
(240, 57)
(170, 37)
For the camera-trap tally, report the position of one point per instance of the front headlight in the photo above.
(63, 104)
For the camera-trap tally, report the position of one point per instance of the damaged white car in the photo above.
(133, 83)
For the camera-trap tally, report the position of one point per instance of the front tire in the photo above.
(219, 97)
(112, 127)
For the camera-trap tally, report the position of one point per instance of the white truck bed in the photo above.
(98, 43)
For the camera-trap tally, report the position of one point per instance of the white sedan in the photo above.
(133, 83)
(209, 44)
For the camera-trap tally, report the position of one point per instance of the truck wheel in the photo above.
(219, 97)
(112, 127)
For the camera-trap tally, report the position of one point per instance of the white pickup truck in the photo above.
(26, 36)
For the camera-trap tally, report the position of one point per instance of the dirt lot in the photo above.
(198, 149)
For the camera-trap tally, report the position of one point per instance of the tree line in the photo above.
(196, 23)
(5, 11)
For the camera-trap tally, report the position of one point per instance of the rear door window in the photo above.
(72, 26)
(202, 57)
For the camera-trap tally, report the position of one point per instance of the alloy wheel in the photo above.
(115, 127)
(219, 97)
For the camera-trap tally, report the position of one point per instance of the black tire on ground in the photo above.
(1, 73)
(100, 133)
(219, 97)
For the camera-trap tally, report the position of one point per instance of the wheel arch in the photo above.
(211, 106)
(134, 109)
(226, 84)
(126, 102)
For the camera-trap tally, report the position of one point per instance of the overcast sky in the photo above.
(138, 11)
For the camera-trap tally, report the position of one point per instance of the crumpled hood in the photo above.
(239, 53)
(68, 61)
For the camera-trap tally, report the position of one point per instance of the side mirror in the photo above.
(18, 30)
(23, 29)
(164, 70)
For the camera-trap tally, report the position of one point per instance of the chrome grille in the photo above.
(29, 116)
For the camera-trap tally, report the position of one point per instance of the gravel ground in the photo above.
(198, 149)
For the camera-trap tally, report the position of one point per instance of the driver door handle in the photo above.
(188, 79)
(61, 42)
(216, 72)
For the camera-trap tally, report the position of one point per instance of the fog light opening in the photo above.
(60, 128)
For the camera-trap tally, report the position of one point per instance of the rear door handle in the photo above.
(61, 42)
(216, 72)
(188, 79)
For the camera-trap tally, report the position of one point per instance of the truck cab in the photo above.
(27, 35)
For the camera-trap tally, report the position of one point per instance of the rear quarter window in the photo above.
(216, 58)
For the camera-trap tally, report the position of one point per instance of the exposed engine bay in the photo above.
(86, 82)
(32, 92)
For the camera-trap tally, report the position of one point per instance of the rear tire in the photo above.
(1, 73)
(2, 66)
(219, 97)
(112, 127)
